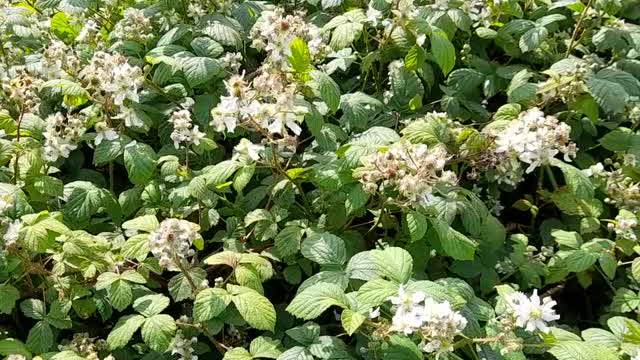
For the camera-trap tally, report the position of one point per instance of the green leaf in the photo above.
(136, 247)
(254, 308)
(40, 338)
(150, 305)
(325, 249)
(237, 353)
(417, 225)
(393, 263)
(105, 280)
(443, 50)
(120, 294)
(198, 70)
(375, 292)
(140, 161)
(179, 286)
(158, 331)
(265, 347)
(209, 303)
(454, 243)
(351, 320)
(532, 38)
(570, 239)
(609, 93)
(73, 93)
(402, 348)
(8, 297)
(133, 276)
(146, 223)
(124, 330)
(573, 350)
(328, 90)
(315, 299)
(305, 334)
(625, 300)
(300, 58)
(13, 346)
(288, 240)
(296, 353)
(34, 308)
(576, 180)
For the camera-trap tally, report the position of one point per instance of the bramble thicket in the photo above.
(319, 179)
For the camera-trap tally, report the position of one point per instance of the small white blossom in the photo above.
(247, 150)
(374, 313)
(373, 15)
(535, 139)
(104, 132)
(171, 242)
(61, 135)
(532, 313)
(184, 132)
(11, 235)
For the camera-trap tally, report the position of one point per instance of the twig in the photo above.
(578, 25)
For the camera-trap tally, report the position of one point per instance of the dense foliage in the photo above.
(333, 179)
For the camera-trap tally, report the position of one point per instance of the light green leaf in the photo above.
(198, 70)
(393, 263)
(255, 309)
(351, 320)
(157, 332)
(150, 305)
(147, 223)
(120, 294)
(314, 300)
(210, 303)
(443, 50)
(265, 347)
(34, 308)
(417, 225)
(124, 330)
(326, 88)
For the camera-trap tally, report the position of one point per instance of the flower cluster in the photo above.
(274, 31)
(183, 347)
(625, 225)
(171, 242)
(62, 134)
(535, 139)
(111, 74)
(134, 27)
(437, 323)
(84, 345)
(621, 189)
(532, 313)
(184, 132)
(411, 169)
(256, 107)
(11, 235)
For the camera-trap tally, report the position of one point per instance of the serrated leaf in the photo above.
(140, 161)
(324, 248)
(124, 330)
(254, 308)
(120, 294)
(150, 305)
(443, 50)
(314, 300)
(351, 320)
(328, 90)
(210, 303)
(198, 70)
(40, 338)
(393, 263)
(265, 347)
(417, 225)
(8, 297)
(157, 332)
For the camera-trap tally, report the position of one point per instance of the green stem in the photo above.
(552, 177)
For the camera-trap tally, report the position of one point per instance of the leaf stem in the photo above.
(577, 28)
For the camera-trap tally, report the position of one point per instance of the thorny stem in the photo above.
(577, 28)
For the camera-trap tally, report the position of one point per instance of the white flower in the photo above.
(11, 235)
(374, 313)
(535, 139)
(171, 242)
(15, 357)
(104, 132)
(61, 135)
(184, 132)
(405, 301)
(247, 150)
(373, 15)
(531, 313)
(225, 114)
(130, 117)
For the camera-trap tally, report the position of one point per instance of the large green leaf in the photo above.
(314, 300)
(140, 161)
(124, 330)
(254, 308)
(324, 248)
